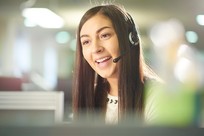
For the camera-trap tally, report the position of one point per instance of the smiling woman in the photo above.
(100, 46)
(110, 73)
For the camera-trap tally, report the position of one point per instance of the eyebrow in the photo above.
(99, 30)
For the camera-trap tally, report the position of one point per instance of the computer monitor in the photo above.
(31, 108)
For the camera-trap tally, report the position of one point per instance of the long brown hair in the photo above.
(90, 90)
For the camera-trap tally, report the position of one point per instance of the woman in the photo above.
(110, 74)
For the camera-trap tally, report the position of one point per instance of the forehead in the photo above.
(95, 23)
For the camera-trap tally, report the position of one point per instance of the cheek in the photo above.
(86, 56)
(115, 47)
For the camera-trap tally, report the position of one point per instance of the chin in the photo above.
(107, 76)
(104, 75)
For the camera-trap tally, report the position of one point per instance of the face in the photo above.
(100, 45)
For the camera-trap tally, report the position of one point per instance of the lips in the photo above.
(101, 60)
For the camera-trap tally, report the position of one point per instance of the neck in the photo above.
(113, 86)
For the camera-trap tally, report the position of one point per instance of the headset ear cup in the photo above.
(133, 39)
(130, 38)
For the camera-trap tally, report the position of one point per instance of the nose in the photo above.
(97, 48)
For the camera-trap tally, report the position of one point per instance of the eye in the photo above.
(85, 42)
(105, 36)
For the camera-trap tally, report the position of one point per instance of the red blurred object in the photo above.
(10, 84)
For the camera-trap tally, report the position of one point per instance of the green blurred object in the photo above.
(175, 106)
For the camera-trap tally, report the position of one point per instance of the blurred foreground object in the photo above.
(179, 100)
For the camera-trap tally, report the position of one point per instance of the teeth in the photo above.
(101, 60)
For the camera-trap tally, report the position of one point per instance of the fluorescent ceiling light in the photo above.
(200, 19)
(43, 17)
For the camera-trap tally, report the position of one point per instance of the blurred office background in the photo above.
(37, 47)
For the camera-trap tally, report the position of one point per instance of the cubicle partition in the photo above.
(31, 108)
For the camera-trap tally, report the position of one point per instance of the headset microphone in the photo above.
(118, 58)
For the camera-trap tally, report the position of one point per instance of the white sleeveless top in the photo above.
(112, 110)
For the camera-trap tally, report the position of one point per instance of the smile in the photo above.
(102, 60)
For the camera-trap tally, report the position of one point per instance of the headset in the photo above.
(133, 35)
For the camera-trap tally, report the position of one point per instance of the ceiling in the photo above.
(145, 12)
